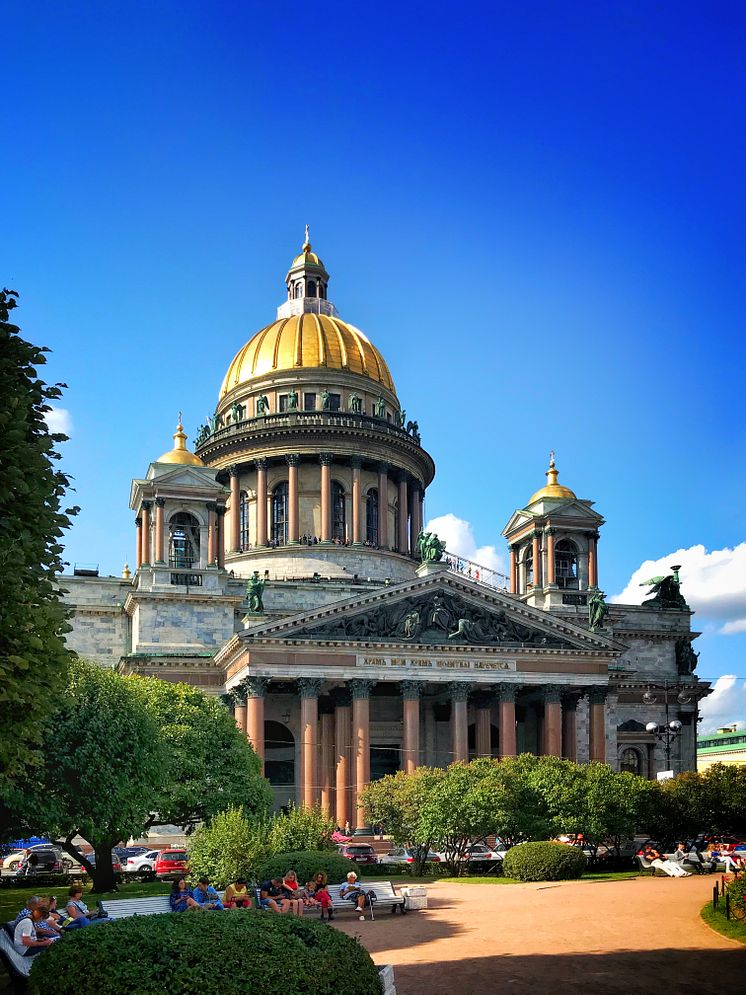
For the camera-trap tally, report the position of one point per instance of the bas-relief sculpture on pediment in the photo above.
(437, 618)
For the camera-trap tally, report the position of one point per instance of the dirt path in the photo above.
(636, 936)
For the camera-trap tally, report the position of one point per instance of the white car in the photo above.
(479, 852)
(142, 863)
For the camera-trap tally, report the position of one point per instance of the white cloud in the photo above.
(59, 420)
(714, 583)
(726, 704)
(459, 539)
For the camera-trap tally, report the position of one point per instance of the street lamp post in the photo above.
(671, 728)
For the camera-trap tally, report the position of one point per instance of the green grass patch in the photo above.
(715, 918)
(592, 876)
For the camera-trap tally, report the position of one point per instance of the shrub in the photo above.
(543, 862)
(229, 846)
(306, 863)
(301, 829)
(210, 951)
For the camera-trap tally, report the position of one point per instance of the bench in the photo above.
(386, 897)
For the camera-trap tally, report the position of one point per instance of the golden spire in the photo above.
(126, 574)
(552, 472)
(307, 243)
(180, 436)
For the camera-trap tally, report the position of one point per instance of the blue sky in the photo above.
(536, 212)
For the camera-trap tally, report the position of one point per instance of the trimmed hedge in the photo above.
(207, 951)
(544, 862)
(306, 863)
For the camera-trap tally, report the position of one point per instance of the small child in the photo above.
(309, 895)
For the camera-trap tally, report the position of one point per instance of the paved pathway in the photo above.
(636, 936)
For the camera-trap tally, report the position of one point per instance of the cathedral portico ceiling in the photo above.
(443, 611)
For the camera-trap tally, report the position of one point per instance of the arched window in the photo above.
(630, 761)
(183, 541)
(371, 516)
(280, 514)
(396, 525)
(243, 520)
(298, 290)
(311, 288)
(338, 512)
(322, 292)
(528, 565)
(566, 563)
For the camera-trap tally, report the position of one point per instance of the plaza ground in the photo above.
(631, 936)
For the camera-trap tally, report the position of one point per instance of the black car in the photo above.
(43, 860)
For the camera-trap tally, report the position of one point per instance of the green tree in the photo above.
(301, 829)
(711, 802)
(100, 772)
(396, 802)
(33, 656)
(229, 846)
(209, 765)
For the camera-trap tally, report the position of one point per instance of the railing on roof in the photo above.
(477, 571)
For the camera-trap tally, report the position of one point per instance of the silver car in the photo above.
(400, 855)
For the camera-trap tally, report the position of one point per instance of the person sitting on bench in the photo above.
(205, 896)
(25, 938)
(180, 900)
(352, 891)
(237, 895)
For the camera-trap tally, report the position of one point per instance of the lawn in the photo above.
(734, 929)
(591, 876)
(12, 899)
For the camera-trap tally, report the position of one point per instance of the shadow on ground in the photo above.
(624, 972)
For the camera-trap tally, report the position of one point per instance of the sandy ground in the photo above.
(636, 936)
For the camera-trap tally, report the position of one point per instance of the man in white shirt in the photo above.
(25, 938)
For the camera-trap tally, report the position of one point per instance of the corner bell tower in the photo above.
(553, 547)
(308, 285)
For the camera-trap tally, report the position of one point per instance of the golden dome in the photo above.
(303, 342)
(307, 258)
(552, 489)
(180, 453)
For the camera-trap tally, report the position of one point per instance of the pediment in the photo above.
(184, 476)
(446, 610)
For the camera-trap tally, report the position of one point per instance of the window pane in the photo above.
(309, 402)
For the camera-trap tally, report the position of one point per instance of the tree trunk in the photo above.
(103, 873)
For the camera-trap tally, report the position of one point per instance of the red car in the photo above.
(361, 853)
(171, 864)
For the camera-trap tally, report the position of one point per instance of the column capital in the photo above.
(361, 688)
(552, 694)
(326, 705)
(146, 505)
(483, 698)
(342, 697)
(238, 694)
(550, 531)
(326, 459)
(356, 462)
(411, 690)
(220, 509)
(260, 464)
(233, 470)
(571, 696)
(515, 547)
(211, 505)
(508, 692)
(592, 535)
(536, 534)
(403, 476)
(309, 687)
(459, 690)
(597, 695)
(383, 467)
(138, 522)
(255, 687)
(160, 502)
(292, 459)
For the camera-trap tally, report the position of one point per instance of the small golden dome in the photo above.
(307, 341)
(552, 489)
(180, 453)
(126, 573)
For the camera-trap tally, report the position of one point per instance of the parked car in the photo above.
(13, 860)
(400, 855)
(43, 860)
(171, 864)
(478, 853)
(125, 852)
(116, 864)
(362, 853)
(142, 863)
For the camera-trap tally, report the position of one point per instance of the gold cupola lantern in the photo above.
(180, 454)
(552, 490)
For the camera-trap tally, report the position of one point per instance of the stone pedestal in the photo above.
(430, 568)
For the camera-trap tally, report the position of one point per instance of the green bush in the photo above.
(301, 829)
(229, 846)
(306, 863)
(207, 951)
(543, 862)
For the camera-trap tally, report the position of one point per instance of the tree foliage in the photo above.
(33, 656)
(100, 771)
(301, 829)
(711, 802)
(396, 802)
(209, 765)
(229, 846)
